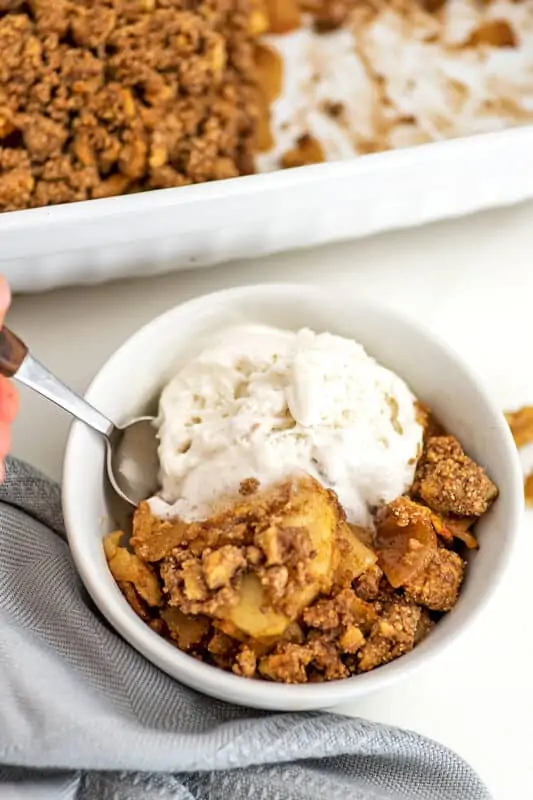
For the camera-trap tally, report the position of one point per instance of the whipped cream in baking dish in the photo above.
(399, 75)
(265, 403)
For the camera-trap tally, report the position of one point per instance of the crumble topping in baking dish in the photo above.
(103, 97)
(265, 566)
(107, 97)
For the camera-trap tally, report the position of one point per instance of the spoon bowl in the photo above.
(132, 462)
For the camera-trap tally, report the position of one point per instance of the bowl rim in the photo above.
(211, 679)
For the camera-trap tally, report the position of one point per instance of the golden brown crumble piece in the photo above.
(274, 580)
(521, 424)
(391, 636)
(222, 649)
(245, 662)
(450, 482)
(290, 662)
(187, 631)
(144, 94)
(279, 545)
(220, 566)
(288, 665)
(437, 586)
(344, 609)
(326, 659)
(367, 585)
(249, 486)
(323, 615)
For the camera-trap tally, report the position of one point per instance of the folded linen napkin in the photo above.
(83, 715)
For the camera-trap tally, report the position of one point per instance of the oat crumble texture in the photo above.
(106, 97)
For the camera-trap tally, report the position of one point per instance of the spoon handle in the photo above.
(12, 353)
(17, 362)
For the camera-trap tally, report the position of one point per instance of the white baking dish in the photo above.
(183, 228)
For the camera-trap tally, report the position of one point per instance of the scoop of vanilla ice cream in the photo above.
(266, 403)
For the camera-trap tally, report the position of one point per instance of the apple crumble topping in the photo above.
(277, 585)
(450, 482)
(103, 97)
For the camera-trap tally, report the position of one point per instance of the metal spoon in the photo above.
(131, 449)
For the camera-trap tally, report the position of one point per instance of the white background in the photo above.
(472, 281)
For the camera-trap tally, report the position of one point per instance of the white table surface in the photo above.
(472, 280)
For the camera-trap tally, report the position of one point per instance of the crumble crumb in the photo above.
(450, 482)
(437, 586)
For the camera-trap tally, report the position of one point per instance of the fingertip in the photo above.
(5, 295)
(9, 400)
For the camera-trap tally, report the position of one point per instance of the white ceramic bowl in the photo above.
(129, 384)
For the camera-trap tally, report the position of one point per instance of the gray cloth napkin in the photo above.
(83, 715)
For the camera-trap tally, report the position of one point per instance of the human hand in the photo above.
(9, 402)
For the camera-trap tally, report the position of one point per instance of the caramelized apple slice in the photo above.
(353, 556)
(252, 615)
(269, 66)
(450, 528)
(283, 15)
(405, 540)
(127, 567)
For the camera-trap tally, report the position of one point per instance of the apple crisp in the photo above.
(277, 585)
(109, 97)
